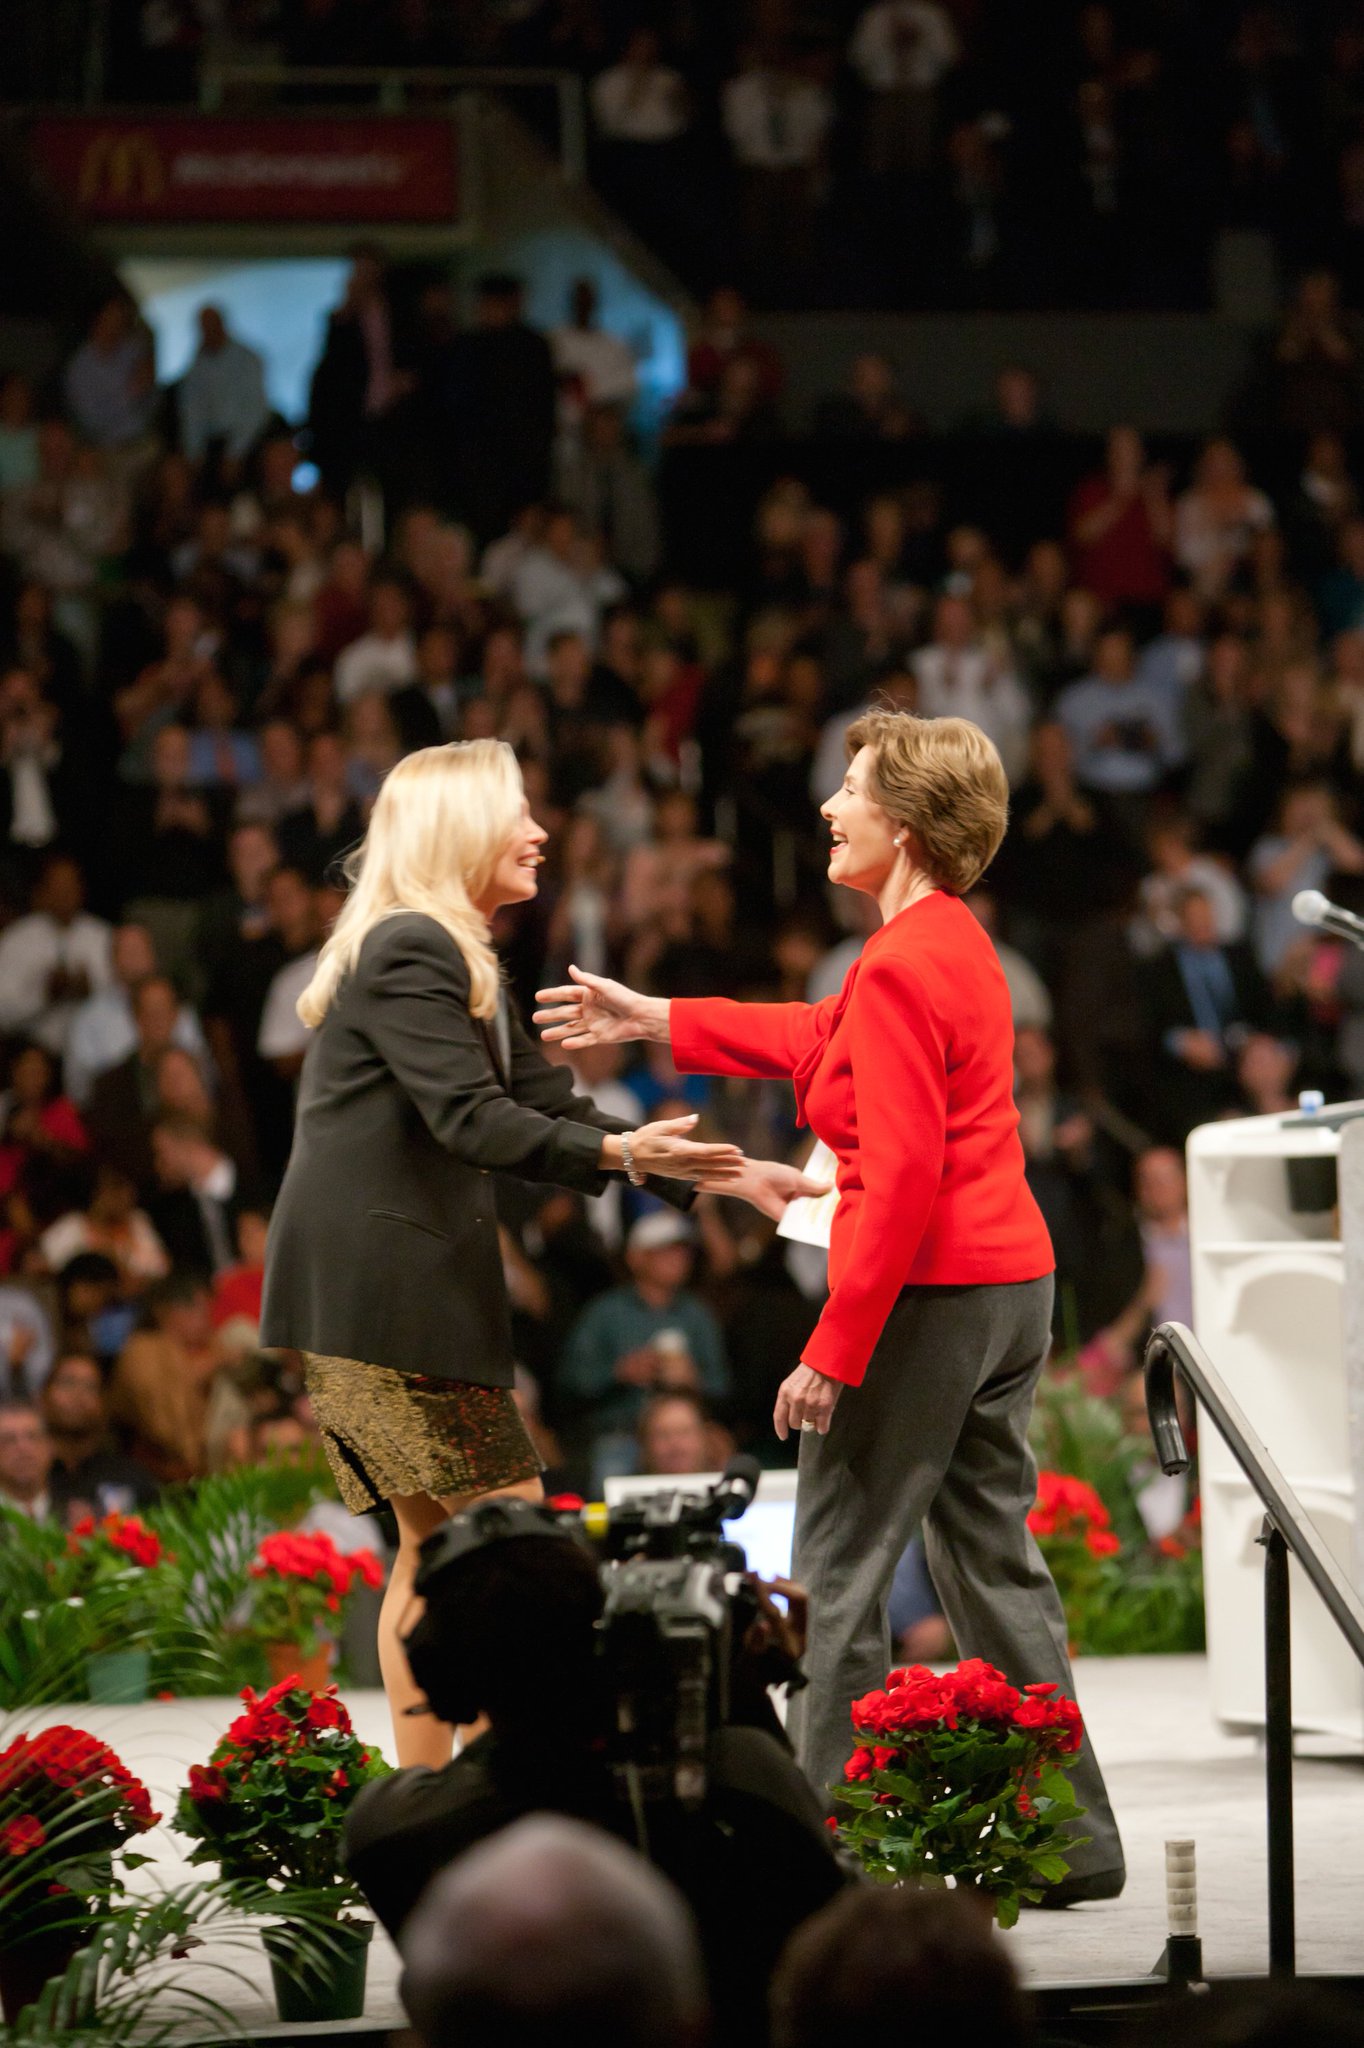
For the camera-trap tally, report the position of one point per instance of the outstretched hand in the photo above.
(767, 1185)
(594, 1011)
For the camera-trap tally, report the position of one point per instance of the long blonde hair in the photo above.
(440, 820)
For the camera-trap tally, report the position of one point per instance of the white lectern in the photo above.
(1271, 1277)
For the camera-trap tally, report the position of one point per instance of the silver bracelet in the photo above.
(627, 1153)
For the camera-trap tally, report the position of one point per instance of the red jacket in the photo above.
(906, 1074)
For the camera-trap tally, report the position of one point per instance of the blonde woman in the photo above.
(383, 1265)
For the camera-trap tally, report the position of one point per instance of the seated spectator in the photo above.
(104, 1032)
(1122, 526)
(165, 1394)
(852, 1972)
(776, 117)
(52, 959)
(650, 1334)
(160, 691)
(1055, 868)
(1175, 867)
(64, 527)
(1174, 659)
(726, 335)
(553, 1928)
(1202, 999)
(902, 50)
(42, 1139)
(1308, 845)
(602, 363)
(18, 432)
(90, 1475)
(1165, 1294)
(222, 754)
(958, 678)
(237, 1288)
(1340, 597)
(385, 657)
(125, 1099)
(1217, 519)
(221, 401)
(872, 408)
(111, 1223)
(202, 1196)
(1028, 996)
(1317, 361)
(674, 1436)
(27, 1344)
(562, 586)
(41, 780)
(110, 382)
(169, 843)
(1124, 733)
(25, 1461)
(283, 1037)
(1266, 1070)
(373, 743)
(640, 102)
(318, 835)
(611, 492)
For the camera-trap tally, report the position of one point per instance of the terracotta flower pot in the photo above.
(312, 1666)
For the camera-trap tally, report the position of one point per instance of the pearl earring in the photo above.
(901, 840)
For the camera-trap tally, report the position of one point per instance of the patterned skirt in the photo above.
(388, 1432)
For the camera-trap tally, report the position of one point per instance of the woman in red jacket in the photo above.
(916, 1387)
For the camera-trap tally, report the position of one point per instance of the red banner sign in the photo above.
(151, 169)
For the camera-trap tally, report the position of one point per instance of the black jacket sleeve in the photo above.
(416, 1014)
(549, 1089)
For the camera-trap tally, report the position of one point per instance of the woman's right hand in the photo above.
(667, 1149)
(594, 1011)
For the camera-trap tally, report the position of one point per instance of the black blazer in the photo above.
(383, 1244)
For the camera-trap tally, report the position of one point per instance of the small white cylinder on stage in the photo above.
(1181, 1888)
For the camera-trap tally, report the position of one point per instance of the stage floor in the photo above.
(1170, 1772)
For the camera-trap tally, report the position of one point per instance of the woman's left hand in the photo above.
(805, 1399)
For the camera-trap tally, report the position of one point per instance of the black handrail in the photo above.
(1287, 1528)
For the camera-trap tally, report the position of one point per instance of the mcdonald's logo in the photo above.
(121, 165)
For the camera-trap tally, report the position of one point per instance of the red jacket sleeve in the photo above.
(898, 1049)
(764, 1041)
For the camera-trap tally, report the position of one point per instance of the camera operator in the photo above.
(507, 1632)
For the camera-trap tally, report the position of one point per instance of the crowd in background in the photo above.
(209, 660)
(920, 152)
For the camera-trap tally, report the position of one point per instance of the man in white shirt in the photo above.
(777, 121)
(53, 959)
(103, 1030)
(902, 50)
(639, 99)
(559, 588)
(27, 1345)
(602, 363)
(25, 1461)
(222, 394)
(384, 658)
(283, 1036)
(958, 678)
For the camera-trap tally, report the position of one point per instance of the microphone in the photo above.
(738, 1485)
(1311, 907)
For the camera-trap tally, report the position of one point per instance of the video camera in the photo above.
(675, 1640)
(676, 1606)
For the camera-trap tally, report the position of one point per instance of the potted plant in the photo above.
(961, 1779)
(299, 1582)
(114, 1568)
(68, 1806)
(268, 1808)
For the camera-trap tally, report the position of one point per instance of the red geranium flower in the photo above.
(207, 1784)
(23, 1833)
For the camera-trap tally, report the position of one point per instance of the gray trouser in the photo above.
(936, 1434)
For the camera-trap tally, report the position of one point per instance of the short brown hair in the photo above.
(943, 780)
